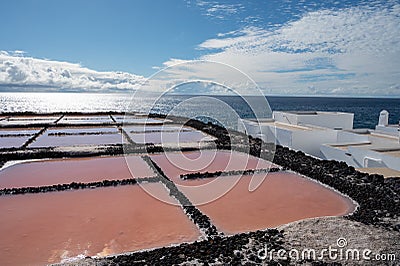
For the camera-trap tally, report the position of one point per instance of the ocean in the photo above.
(366, 110)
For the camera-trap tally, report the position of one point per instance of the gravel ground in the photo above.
(320, 233)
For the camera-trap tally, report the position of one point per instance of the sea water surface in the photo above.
(366, 110)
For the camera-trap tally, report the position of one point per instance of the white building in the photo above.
(330, 135)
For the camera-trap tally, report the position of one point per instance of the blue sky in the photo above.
(288, 47)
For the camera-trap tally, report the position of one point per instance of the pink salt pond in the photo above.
(155, 128)
(80, 130)
(14, 137)
(175, 164)
(138, 119)
(18, 131)
(170, 137)
(280, 199)
(12, 142)
(48, 139)
(85, 119)
(38, 229)
(65, 171)
(28, 120)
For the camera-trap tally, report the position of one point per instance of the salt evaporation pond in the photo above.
(170, 137)
(174, 164)
(68, 138)
(82, 130)
(28, 120)
(65, 171)
(280, 199)
(139, 119)
(85, 119)
(15, 137)
(154, 128)
(38, 229)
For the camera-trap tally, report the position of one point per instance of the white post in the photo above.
(383, 118)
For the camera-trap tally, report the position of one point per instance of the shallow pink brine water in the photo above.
(25, 120)
(11, 131)
(170, 137)
(85, 119)
(144, 127)
(13, 142)
(175, 164)
(78, 129)
(39, 229)
(280, 199)
(75, 140)
(10, 138)
(64, 171)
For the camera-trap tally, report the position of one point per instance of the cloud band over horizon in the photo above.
(21, 73)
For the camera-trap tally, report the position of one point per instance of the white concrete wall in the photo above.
(269, 134)
(329, 120)
(242, 125)
(284, 117)
(283, 137)
(321, 119)
(249, 127)
(334, 153)
(367, 158)
(393, 131)
(266, 133)
(391, 161)
(349, 137)
(310, 141)
(361, 157)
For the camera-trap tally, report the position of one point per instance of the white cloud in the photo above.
(18, 71)
(348, 51)
(174, 61)
(218, 10)
(332, 31)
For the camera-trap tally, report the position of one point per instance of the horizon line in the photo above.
(222, 95)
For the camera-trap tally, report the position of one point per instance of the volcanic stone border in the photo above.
(202, 221)
(394, 184)
(33, 138)
(126, 135)
(59, 119)
(199, 175)
(159, 131)
(85, 151)
(77, 185)
(239, 249)
(59, 134)
(15, 135)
